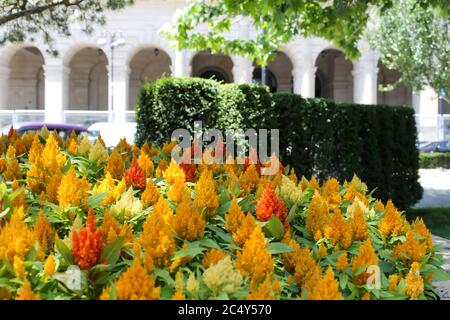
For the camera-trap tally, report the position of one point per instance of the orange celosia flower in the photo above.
(269, 204)
(359, 224)
(419, 228)
(156, 238)
(392, 223)
(411, 250)
(336, 228)
(322, 251)
(249, 180)
(379, 206)
(266, 290)
(26, 293)
(254, 260)
(174, 174)
(87, 244)
(178, 295)
(342, 263)
(167, 147)
(44, 231)
(49, 266)
(151, 194)
(293, 176)
(327, 288)
(206, 193)
(212, 256)
(234, 217)
(146, 164)
(115, 165)
(12, 168)
(290, 258)
(177, 191)
(16, 239)
(366, 256)
(123, 146)
(134, 284)
(135, 176)
(73, 191)
(188, 222)
(111, 229)
(245, 230)
(317, 215)
(307, 270)
(414, 282)
(393, 282)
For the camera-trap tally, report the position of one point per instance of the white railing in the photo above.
(433, 127)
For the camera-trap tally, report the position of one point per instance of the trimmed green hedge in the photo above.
(317, 136)
(435, 160)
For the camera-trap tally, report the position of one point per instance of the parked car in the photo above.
(63, 129)
(420, 144)
(112, 132)
(437, 146)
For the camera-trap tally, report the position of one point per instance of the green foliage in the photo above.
(434, 160)
(22, 20)
(317, 137)
(414, 39)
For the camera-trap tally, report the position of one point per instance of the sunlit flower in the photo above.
(222, 277)
(254, 260)
(327, 288)
(73, 191)
(392, 223)
(317, 215)
(115, 165)
(151, 194)
(111, 229)
(123, 146)
(98, 153)
(322, 251)
(245, 230)
(188, 222)
(50, 266)
(411, 249)
(307, 270)
(87, 243)
(206, 193)
(26, 293)
(249, 180)
(128, 204)
(177, 191)
(342, 262)
(359, 224)
(135, 176)
(19, 268)
(167, 147)
(192, 285)
(12, 167)
(336, 228)
(212, 256)
(393, 282)
(414, 282)
(146, 164)
(366, 256)
(270, 204)
(44, 231)
(419, 228)
(289, 190)
(234, 217)
(85, 146)
(174, 174)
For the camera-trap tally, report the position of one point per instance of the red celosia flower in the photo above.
(188, 166)
(11, 132)
(135, 176)
(87, 244)
(269, 204)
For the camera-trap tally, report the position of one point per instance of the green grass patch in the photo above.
(436, 219)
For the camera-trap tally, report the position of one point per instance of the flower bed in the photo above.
(80, 222)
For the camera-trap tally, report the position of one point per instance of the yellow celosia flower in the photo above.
(26, 293)
(342, 262)
(174, 174)
(85, 146)
(50, 266)
(244, 232)
(289, 190)
(73, 191)
(419, 228)
(98, 153)
(293, 176)
(266, 290)
(254, 260)
(178, 295)
(188, 222)
(359, 224)
(134, 284)
(108, 186)
(162, 166)
(322, 251)
(414, 282)
(16, 239)
(44, 231)
(307, 270)
(327, 288)
(222, 277)
(192, 285)
(331, 192)
(410, 250)
(146, 164)
(156, 238)
(290, 258)
(392, 223)
(177, 191)
(336, 228)
(167, 147)
(393, 282)
(234, 217)
(128, 203)
(366, 256)
(249, 180)
(206, 193)
(317, 215)
(151, 194)
(19, 268)
(72, 147)
(12, 168)
(212, 256)
(115, 165)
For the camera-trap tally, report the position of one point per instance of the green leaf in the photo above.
(209, 243)
(440, 275)
(111, 253)
(360, 270)
(97, 199)
(165, 276)
(279, 247)
(190, 252)
(63, 250)
(343, 279)
(274, 228)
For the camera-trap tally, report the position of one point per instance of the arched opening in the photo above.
(212, 66)
(400, 96)
(147, 65)
(334, 73)
(278, 74)
(26, 80)
(88, 84)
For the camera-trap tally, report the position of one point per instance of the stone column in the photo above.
(242, 69)
(181, 66)
(365, 79)
(120, 91)
(426, 105)
(305, 80)
(4, 87)
(56, 91)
